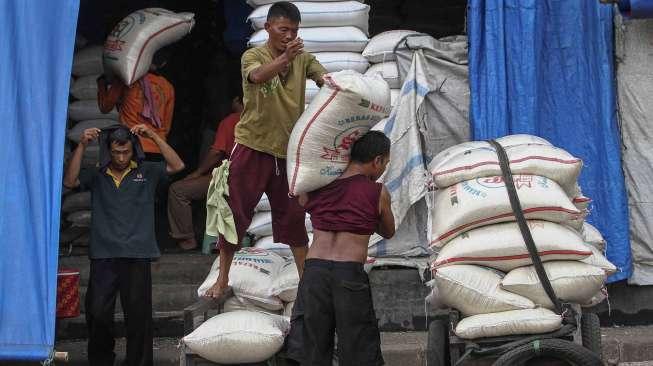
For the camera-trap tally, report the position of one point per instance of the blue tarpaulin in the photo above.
(37, 38)
(545, 67)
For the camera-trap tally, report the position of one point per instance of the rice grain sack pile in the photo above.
(267, 243)
(129, 48)
(381, 47)
(476, 290)
(501, 246)
(261, 225)
(83, 110)
(88, 61)
(239, 337)
(325, 14)
(572, 281)
(338, 61)
(323, 39)
(236, 303)
(85, 87)
(388, 71)
(513, 322)
(484, 201)
(346, 107)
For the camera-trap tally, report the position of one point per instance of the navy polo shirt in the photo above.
(122, 221)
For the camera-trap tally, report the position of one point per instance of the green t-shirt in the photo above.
(272, 108)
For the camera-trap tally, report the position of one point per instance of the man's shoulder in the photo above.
(258, 51)
(159, 79)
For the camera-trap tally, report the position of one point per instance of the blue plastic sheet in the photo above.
(544, 67)
(37, 38)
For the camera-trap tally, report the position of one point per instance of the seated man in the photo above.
(334, 294)
(196, 184)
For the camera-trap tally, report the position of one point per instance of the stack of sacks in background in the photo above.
(261, 229)
(482, 266)
(252, 324)
(380, 53)
(335, 32)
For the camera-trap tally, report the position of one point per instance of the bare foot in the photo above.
(187, 244)
(216, 290)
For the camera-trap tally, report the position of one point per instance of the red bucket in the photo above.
(67, 293)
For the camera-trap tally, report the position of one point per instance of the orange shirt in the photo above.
(224, 137)
(130, 99)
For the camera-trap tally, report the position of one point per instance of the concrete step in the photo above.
(164, 297)
(626, 346)
(166, 324)
(185, 268)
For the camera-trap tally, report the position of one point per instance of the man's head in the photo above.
(237, 100)
(121, 148)
(160, 59)
(372, 151)
(282, 24)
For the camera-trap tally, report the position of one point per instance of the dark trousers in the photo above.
(334, 298)
(131, 278)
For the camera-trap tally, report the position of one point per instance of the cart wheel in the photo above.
(554, 348)
(438, 343)
(590, 328)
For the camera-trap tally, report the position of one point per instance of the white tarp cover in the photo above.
(431, 115)
(634, 58)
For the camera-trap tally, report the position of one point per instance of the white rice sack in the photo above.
(514, 322)
(597, 259)
(394, 96)
(252, 274)
(484, 201)
(82, 110)
(311, 91)
(388, 71)
(598, 298)
(501, 246)
(322, 39)
(476, 290)
(346, 107)
(445, 155)
(338, 61)
(572, 281)
(267, 243)
(131, 44)
(381, 47)
(238, 337)
(75, 133)
(263, 204)
(85, 87)
(321, 14)
(593, 237)
(76, 201)
(543, 160)
(88, 61)
(255, 3)
(581, 202)
(286, 282)
(261, 224)
(236, 303)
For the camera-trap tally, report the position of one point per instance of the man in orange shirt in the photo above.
(196, 184)
(150, 101)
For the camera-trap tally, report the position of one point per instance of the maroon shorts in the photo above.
(250, 175)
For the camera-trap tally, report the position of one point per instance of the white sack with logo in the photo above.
(513, 322)
(346, 107)
(322, 39)
(338, 61)
(501, 246)
(238, 337)
(476, 290)
(131, 44)
(286, 282)
(484, 201)
(572, 281)
(325, 14)
(543, 160)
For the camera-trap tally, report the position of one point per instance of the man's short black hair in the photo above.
(369, 146)
(121, 135)
(161, 57)
(284, 9)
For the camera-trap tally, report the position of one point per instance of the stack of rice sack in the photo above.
(482, 266)
(335, 32)
(252, 324)
(261, 229)
(380, 53)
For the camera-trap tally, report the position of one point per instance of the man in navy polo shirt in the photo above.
(122, 237)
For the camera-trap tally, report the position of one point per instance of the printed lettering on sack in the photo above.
(520, 181)
(115, 41)
(453, 194)
(252, 258)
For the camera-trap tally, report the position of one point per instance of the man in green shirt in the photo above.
(274, 82)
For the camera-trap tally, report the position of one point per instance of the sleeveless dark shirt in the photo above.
(350, 204)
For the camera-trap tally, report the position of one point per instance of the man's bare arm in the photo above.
(71, 178)
(174, 164)
(386, 226)
(266, 72)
